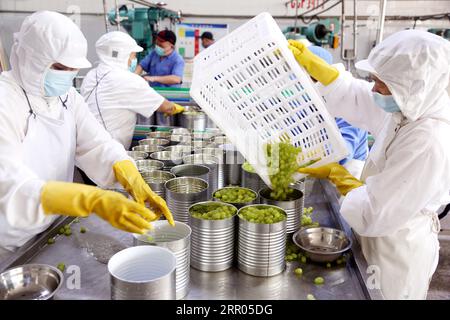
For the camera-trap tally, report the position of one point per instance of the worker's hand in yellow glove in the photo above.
(79, 200)
(337, 174)
(316, 67)
(130, 178)
(176, 109)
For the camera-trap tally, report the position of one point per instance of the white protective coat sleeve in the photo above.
(377, 209)
(351, 99)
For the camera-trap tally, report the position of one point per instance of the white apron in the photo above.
(49, 151)
(407, 259)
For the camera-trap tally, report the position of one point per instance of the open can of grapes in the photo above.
(293, 206)
(237, 196)
(261, 240)
(213, 235)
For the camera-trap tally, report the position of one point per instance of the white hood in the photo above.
(114, 49)
(45, 38)
(415, 66)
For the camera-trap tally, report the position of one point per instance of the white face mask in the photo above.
(58, 82)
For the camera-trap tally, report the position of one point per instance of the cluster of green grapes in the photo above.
(235, 195)
(248, 167)
(293, 253)
(214, 211)
(262, 214)
(282, 162)
(306, 220)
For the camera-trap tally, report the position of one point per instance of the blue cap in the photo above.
(322, 53)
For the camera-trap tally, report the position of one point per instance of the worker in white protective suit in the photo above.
(115, 94)
(46, 128)
(407, 175)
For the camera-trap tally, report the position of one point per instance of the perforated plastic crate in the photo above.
(251, 86)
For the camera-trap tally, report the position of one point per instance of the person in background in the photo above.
(115, 94)
(406, 178)
(46, 129)
(207, 39)
(355, 138)
(163, 65)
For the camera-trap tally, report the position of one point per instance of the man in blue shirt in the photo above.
(163, 65)
(355, 138)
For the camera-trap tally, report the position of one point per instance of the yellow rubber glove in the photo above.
(316, 67)
(177, 109)
(337, 174)
(80, 200)
(130, 178)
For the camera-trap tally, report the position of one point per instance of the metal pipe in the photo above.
(381, 21)
(105, 15)
(117, 15)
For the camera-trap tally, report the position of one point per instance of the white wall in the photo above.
(91, 19)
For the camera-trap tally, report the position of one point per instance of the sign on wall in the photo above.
(188, 36)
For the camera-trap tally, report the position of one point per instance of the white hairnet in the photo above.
(415, 66)
(46, 38)
(114, 48)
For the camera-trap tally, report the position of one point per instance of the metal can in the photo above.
(180, 139)
(170, 159)
(191, 170)
(293, 207)
(301, 186)
(261, 247)
(156, 180)
(252, 180)
(209, 161)
(137, 155)
(148, 165)
(143, 273)
(182, 192)
(212, 241)
(154, 141)
(147, 148)
(219, 155)
(160, 134)
(177, 239)
(180, 148)
(193, 119)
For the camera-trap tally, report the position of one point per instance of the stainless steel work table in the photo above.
(341, 282)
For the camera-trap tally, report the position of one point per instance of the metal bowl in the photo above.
(322, 244)
(30, 282)
(180, 139)
(149, 165)
(148, 148)
(154, 141)
(137, 155)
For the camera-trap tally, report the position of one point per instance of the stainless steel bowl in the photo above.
(154, 141)
(322, 244)
(137, 155)
(180, 139)
(170, 159)
(184, 149)
(30, 282)
(148, 148)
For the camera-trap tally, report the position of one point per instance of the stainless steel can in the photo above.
(209, 161)
(219, 154)
(237, 204)
(212, 241)
(143, 273)
(170, 159)
(148, 148)
(261, 247)
(183, 149)
(233, 161)
(180, 139)
(182, 192)
(181, 131)
(193, 119)
(154, 141)
(148, 165)
(160, 134)
(191, 170)
(293, 207)
(137, 155)
(252, 180)
(301, 186)
(177, 239)
(156, 180)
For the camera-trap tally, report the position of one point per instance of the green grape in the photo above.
(319, 280)
(310, 297)
(298, 271)
(83, 230)
(61, 266)
(68, 232)
(235, 195)
(328, 265)
(61, 230)
(51, 241)
(248, 167)
(212, 211)
(261, 214)
(282, 163)
(303, 259)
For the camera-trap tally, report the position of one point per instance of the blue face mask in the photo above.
(160, 51)
(387, 103)
(58, 82)
(133, 65)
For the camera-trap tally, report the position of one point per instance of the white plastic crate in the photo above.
(251, 86)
